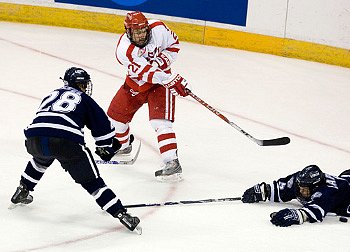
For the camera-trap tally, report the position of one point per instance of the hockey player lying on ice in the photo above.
(318, 192)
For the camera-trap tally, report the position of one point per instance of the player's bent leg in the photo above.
(85, 172)
(29, 179)
(33, 172)
(109, 202)
(103, 195)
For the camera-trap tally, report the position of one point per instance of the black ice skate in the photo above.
(172, 172)
(22, 195)
(129, 221)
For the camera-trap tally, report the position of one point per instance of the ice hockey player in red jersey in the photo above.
(147, 49)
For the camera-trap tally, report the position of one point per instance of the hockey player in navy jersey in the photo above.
(318, 192)
(56, 133)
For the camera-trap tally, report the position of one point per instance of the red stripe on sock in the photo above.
(165, 148)
(124, 134)
(166, 136)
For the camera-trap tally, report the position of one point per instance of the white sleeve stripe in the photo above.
(109, 135)
(272, 193)
(300, 216)
(310, 213)
(318, 208)
(273, 185)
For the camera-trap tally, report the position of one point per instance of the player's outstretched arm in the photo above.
(259, 192)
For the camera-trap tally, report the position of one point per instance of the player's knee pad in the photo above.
(161, 124)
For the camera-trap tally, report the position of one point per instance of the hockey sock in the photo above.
(166, 139)
(32, 174)
(103, 195)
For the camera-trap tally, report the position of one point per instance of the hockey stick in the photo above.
(267, 142)
(183, 202)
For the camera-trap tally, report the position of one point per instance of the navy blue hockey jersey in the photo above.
(65, 112)
(333, 197)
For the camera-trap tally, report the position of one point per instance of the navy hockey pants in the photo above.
(73, 157)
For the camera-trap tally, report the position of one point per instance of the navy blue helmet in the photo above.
(78, 78)
(311, 177)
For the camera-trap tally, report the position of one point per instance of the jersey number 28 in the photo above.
(65, 103)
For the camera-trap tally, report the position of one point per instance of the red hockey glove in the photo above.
(177, 85)
(163, 61)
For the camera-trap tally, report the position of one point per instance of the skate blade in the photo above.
(138, 230)
(177, 177)
(12, 206)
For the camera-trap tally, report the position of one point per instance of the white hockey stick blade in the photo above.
(126, 159)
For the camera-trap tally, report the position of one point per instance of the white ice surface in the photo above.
(267, 96)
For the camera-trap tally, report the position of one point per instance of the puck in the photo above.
(343, 219)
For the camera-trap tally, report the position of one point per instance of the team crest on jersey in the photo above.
(141, 51)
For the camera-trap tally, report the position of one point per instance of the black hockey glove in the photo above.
(106, 153)
(287, 217)
(259, 192)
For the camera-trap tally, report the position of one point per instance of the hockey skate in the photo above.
(129, 221)
(172, 172)
(127, 150)
(21, 196)
(126, 156)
